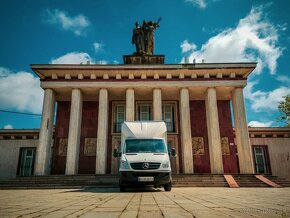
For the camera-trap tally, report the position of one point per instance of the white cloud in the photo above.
(76, 58)
(198, 3)
(284, 79)
(8, 126)
(253, 39)
(202, 4)
(256, 123)
(262, 100)
(4, 71)
(21, 91)
(186, 46)
(78, 24)
(73, 58)
(98, 46)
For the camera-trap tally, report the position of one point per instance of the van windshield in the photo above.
(145, 146)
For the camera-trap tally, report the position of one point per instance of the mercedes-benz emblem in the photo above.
(145, 165)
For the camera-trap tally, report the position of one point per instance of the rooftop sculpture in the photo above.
(143, 37)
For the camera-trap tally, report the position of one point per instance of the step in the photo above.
(267, 181)
(249, 181)
(90, 181)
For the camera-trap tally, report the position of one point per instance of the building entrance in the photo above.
(26, 161)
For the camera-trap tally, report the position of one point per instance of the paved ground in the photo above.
(180, 202)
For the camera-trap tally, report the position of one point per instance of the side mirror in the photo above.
(173, 152)
(116, 153)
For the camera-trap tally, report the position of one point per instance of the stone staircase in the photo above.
(248, 180)
(199, 180)
(109, 181)
(278, 180)
(61, 181)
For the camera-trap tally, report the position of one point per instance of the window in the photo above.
(144, 112)
(26, 161)
(261, 159)
(119, 117)
(168, 116)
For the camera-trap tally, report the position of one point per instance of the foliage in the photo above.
(284, 108)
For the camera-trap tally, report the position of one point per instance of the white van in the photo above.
(144, 157)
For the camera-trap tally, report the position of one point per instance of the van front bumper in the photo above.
(131, 178)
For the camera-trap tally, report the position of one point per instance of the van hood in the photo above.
(146, 157)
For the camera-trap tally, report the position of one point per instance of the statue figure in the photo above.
(143, 37)
(151, 26)
(137, 39)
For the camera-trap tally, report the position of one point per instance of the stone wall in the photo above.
(9, 155)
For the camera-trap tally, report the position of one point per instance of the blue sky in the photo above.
(74, 31)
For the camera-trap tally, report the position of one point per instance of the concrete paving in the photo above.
(180, 202)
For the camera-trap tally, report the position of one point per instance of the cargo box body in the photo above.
(144, 155)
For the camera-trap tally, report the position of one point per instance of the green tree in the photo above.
(284, 108)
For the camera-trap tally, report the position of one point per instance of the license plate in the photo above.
(145, 179)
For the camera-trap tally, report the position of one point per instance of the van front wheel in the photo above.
(168, 187)
(122, 188)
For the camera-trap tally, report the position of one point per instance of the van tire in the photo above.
(168, 187)
(122, 188)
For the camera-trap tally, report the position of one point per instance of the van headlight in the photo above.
(165, 164)
(124, 165)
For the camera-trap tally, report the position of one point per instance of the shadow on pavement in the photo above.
(117, 190)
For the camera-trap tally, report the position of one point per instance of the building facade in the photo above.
(194, 100)
(17, 152)
(270, 148)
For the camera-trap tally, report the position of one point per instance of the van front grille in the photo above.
(145, 166)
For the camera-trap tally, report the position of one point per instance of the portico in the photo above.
(193, 99)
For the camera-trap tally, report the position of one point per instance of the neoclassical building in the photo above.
(197, 102)
(270, 147)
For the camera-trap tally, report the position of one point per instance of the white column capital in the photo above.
(104, 90)
(211, 88)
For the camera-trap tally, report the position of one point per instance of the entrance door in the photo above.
(174, 162)
(261, 159)
(115, 162)
(26, 161)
